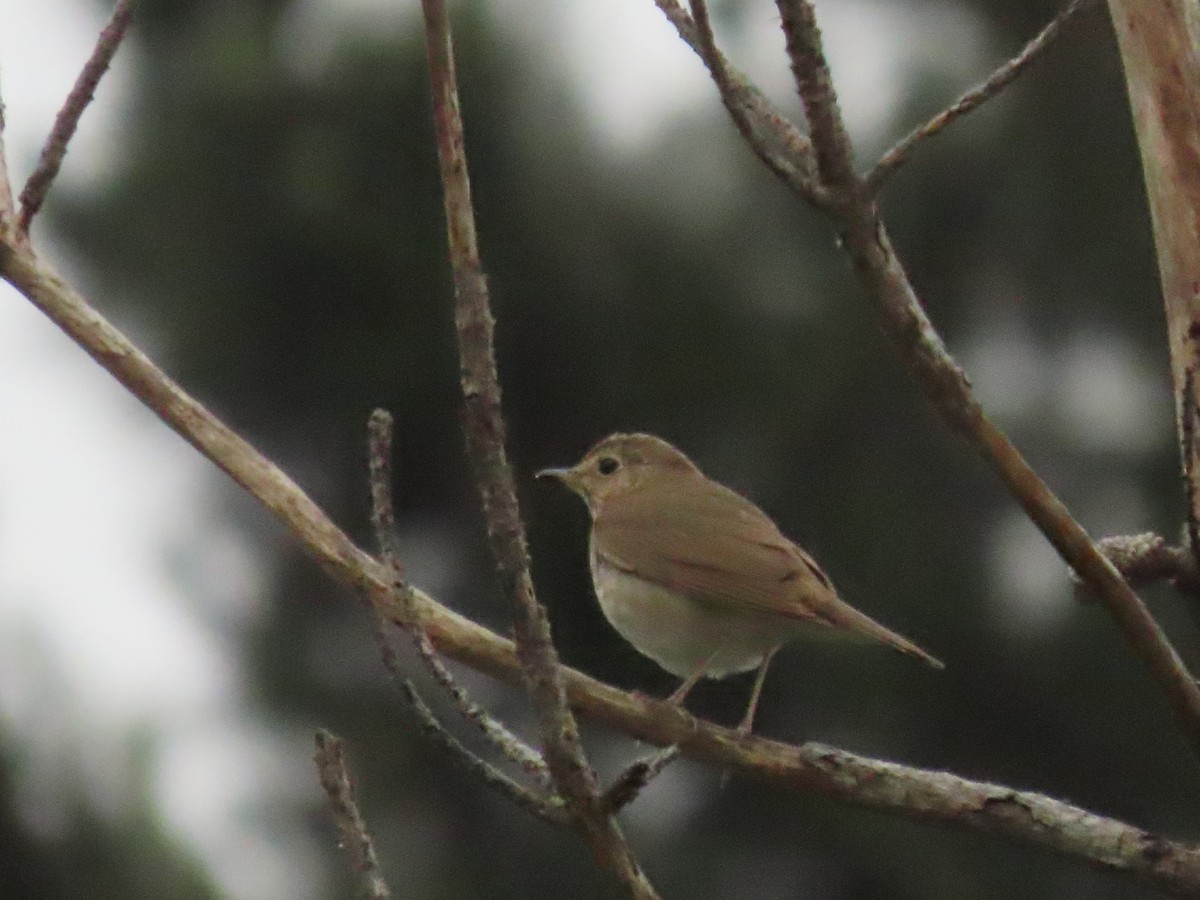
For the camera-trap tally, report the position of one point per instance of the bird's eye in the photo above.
(607, 465)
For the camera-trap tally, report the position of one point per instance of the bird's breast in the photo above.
(678, 632)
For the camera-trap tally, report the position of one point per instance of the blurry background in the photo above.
(254, 198)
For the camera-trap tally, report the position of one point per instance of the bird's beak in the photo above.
(569, 477)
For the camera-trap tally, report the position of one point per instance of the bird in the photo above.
(697, 577)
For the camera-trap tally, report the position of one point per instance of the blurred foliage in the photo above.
(276, 223)
(79, 851)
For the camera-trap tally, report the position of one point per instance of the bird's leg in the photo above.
(681, 692)
(747, 723)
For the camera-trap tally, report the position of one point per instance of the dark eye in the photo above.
(607, 465)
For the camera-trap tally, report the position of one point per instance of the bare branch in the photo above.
(383, 518)
(1189, 411)
(625, 789)
(789, 150)
(33, 195)
(1159, 43)
(501, 737)
(484, 424)
(777, 142)
(379, 468)
(1171, 866)
(552, 809)
(972, 99)
(827, 129)
(919, 345)
(1145, 559)
(356, 841)
(1031, 819)
(7, 210)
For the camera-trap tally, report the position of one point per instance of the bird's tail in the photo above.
(842, 615)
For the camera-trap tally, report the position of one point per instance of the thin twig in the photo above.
(1158, 44)
(865, 239)
(972, 99)
(548, 807)
(356, 840)
(7, 211)
(500, 736)
(827, 129)
(1189, 410)
(793, 158)
(1031, 819)
(1147, 559)
(551, 808)
(777, 142)
(33, 195)
(626, 787)
(379, 429)
(382, 485)
(483, 418)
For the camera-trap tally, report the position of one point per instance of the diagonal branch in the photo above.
(549, 808)
(383, 519)
(834, 152)
(356, 840)
(7, 210)
(774, 140)
(625, 789)
(1159, 43)
(33, 195)
(1171, 866)
(405, 614)
(573, 777)
(787, 150)
(1031, 819)
(972, 99)
(923, 352)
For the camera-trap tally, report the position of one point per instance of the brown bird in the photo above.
(697, 577)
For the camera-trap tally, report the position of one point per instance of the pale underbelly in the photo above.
(680, 634)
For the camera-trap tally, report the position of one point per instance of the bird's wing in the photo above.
(718, 548)
(714, 546)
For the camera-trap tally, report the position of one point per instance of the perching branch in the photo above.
(356, 840)
(1031, 819)
(627, 785)
(972, 99)
(573, 777)
(864, 237)
(33, 195)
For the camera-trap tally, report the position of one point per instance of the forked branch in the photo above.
(864, 236)
(972, 99)
(1171, 866)
(33, 195)
(574, 779)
